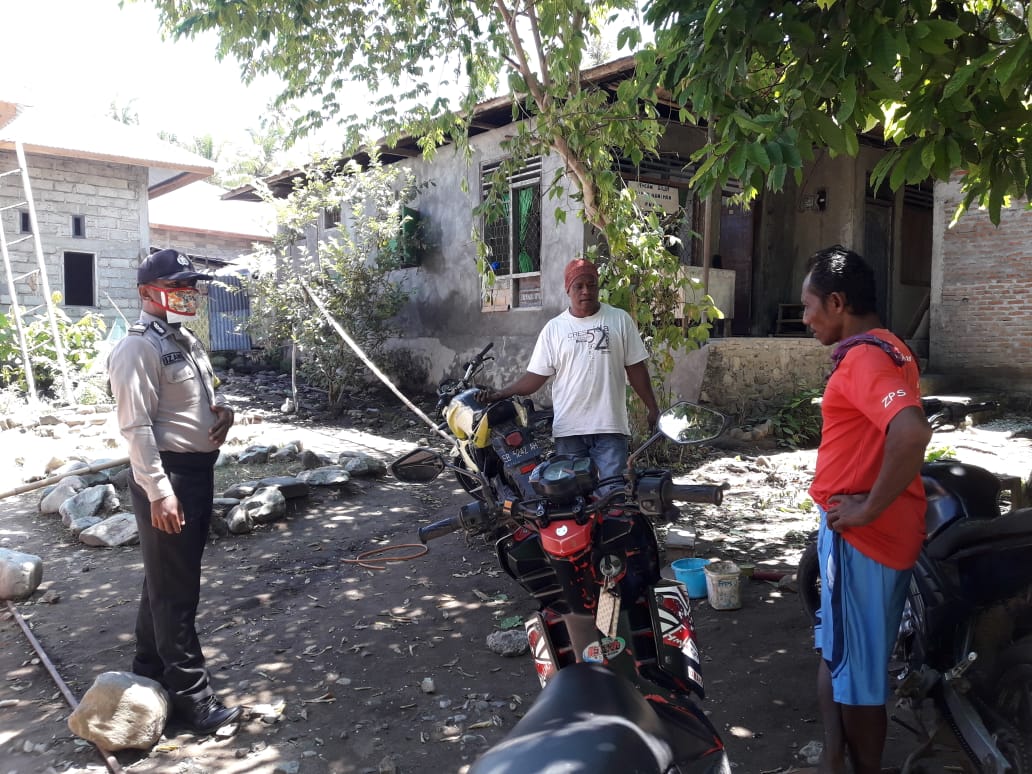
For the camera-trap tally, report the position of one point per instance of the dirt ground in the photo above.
(332, 659)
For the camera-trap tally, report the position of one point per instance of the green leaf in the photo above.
(885, 52)
(757, 155)
(958, 80)
(829, 131)
(847, 101)
(852, 143)
(736, 163)
(1008, 63)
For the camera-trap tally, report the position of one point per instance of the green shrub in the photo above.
(797, 424)
(81, 340)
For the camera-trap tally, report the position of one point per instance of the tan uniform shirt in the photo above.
(163, 386)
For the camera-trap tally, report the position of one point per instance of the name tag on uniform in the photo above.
(172, 357)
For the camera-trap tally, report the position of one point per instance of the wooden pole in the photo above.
(62, 363)
(54, 479)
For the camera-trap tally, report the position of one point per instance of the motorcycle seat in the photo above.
(972, 536)
(587, 716)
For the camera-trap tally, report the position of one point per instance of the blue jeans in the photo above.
(607, 450)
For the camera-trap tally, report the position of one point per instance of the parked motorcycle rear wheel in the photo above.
(1014, 747)
(1014, 685)
(808, 581)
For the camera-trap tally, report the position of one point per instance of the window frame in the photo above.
(65, 255)
(507, 293)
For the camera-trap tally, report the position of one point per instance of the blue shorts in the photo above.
(858, 621)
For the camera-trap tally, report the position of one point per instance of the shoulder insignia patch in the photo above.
(172, 357)
(137, 329)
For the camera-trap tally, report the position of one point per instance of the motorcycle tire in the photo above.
(469, 484)
(1014, 748)
(808, 581)
(1014, 685)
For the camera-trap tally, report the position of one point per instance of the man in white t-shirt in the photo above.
(593, 350)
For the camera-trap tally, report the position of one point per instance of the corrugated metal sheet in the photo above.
(229, 308)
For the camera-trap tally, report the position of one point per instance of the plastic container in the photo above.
(723, 585)
(690, 573)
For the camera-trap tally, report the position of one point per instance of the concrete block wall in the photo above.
(981, 304)
(113, 200)
(750, 378)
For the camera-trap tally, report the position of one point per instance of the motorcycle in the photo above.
(965, 639)
(613, 642)
(501, 440)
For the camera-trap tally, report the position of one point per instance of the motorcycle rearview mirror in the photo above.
(418, 466)
(687, 423)
(683, 423)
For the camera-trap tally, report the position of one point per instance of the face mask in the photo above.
(180, 304)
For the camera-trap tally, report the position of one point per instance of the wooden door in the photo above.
(736, 253)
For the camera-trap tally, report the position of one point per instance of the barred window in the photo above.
(513, 236)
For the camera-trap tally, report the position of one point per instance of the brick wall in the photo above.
(111, 197)
(981, 311)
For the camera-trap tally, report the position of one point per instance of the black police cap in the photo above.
(168, 264)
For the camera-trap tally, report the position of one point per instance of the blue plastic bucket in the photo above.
(691, 573)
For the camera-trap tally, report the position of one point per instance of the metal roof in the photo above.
(487, 115)
(50, 132)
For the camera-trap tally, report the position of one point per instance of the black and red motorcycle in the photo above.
(613, 642)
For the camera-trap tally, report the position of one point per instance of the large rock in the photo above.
(238, 522)
(121, 711)
(330, 475)
(54, 497)
(291, 487)
(92, 501)
(76, 526)
(310, 460)
(255, 455)
(117, 530)
(265, 506)
(357, 464)
(240, 490)
(20, 574)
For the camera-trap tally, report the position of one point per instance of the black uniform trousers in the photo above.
(167, 648)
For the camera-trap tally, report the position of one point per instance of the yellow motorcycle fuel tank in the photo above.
(467, 419)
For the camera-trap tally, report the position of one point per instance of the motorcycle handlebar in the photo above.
(439, 529)
(485, 350)
(708, 494)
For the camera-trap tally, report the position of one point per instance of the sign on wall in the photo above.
(653, 196)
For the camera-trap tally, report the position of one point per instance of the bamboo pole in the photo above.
(21, 489)
(30, 382)
(62, 363)
(109, 760)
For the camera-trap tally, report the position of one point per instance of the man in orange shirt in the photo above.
(868, 487)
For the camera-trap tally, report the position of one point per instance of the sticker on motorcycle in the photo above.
(600, 651)
(544, 656)
(678, 653)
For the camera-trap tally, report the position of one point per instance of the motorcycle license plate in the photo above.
(516, 456)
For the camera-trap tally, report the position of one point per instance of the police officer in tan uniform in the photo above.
(168, 412)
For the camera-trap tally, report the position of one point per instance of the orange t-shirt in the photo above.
(863, 395)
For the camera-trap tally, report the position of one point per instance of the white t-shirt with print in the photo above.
(587, 356)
